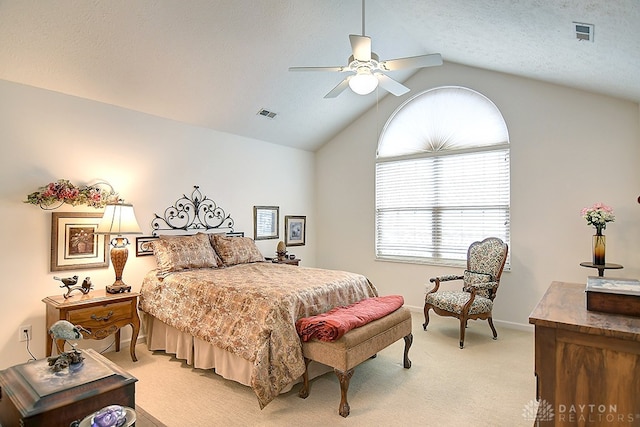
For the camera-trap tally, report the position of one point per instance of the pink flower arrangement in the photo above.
(598, 215)
(54, 194)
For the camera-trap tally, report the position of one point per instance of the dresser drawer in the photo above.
(98, 316)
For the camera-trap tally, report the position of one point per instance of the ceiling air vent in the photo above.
(266, 113)
(583, 31)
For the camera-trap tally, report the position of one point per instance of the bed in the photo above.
(215, 302)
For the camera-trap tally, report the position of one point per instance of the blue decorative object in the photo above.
(110, 416)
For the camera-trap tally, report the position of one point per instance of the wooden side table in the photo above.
(601, 267)
(102, 313)
(33, 396)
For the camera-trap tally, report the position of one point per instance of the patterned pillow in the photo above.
(236, 250)
(176, 253)
(472, 278)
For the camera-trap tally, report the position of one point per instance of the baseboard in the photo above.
(124, 344)
(501, 323)
(141, 339)
(513, 325)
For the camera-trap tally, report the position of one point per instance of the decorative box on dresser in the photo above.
(31, 395)
(587, 363)
(101, 313)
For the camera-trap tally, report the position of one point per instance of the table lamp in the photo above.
(118, 219)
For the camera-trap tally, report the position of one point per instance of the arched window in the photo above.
(442, 177)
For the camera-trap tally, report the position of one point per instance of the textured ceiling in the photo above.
(216, 63)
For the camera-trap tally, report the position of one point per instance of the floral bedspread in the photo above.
(251, 311)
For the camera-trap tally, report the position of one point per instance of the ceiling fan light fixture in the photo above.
(366, 71)
(363, 83)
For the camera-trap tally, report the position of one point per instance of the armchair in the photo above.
(485, 262)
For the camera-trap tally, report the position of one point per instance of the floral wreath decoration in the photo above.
(55, 194)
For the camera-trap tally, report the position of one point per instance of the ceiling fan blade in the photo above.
(337, 68)
(412, 62)
(361, 47)
(339, 88)
(390, 85)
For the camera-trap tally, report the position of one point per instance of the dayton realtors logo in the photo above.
(538, 411)
(594, 413)
(543, 411)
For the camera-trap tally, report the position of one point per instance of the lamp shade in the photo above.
(363, 83)
(118, 218)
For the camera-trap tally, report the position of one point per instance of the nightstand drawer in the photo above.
(98, 316)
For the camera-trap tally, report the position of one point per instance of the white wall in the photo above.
(150, 161)
(569, 149)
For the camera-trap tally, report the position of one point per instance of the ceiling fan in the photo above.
(366, 71)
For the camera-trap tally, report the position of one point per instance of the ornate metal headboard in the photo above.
(188, 215)
(196, 213)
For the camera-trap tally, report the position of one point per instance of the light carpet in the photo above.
(488, 383)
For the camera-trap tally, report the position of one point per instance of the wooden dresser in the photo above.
(587, 364)
(31, 395)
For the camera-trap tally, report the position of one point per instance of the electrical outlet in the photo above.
(24, 332)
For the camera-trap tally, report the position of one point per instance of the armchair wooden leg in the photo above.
(426, 317)
(463, 325)
(493, 329)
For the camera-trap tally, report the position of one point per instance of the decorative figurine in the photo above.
(67, 331)
(281, 250)
(70, 284)
(86, 285)
(67, 281)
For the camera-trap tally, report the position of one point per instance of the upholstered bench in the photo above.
(356, 346)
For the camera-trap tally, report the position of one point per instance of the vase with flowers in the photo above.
(598, 215)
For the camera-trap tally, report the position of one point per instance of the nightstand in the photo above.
(289, 261)
(100, 312)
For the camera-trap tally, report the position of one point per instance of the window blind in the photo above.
(433, 207)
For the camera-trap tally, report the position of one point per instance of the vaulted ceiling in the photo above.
(216, 63)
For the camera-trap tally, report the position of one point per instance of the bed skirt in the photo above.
(203, 355)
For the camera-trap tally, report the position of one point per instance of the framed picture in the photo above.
(266, 222)
(74, 246)
(143, 247)
(295, 228)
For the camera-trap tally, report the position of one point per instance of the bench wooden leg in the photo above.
(408, 340)
(344, 378)
(304, 391)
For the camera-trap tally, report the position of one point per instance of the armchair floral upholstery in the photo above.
(480, 281)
